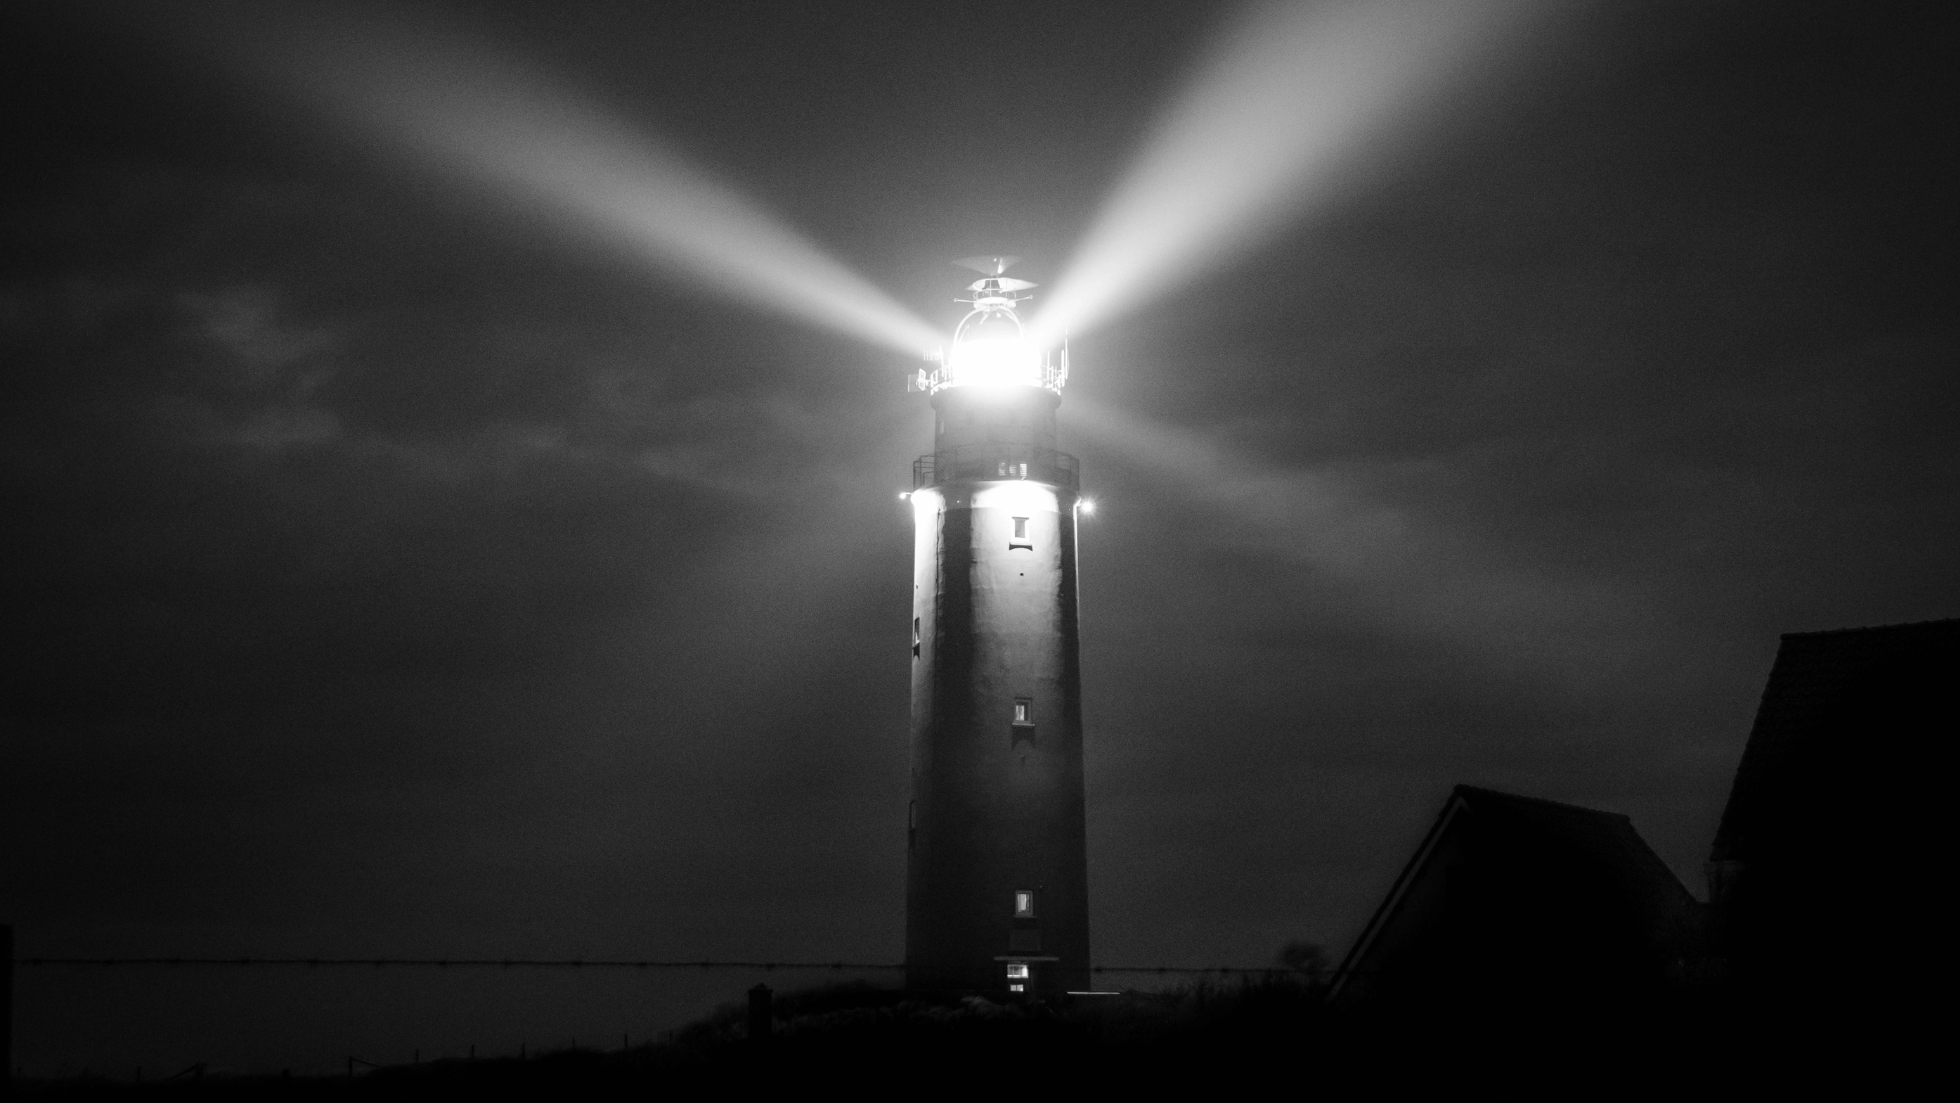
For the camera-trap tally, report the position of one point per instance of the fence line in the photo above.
(504, 963)
(1261, 970)
(588, 963)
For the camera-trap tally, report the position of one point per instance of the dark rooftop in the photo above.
(1833, 737)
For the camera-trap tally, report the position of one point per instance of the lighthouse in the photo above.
(997, 867)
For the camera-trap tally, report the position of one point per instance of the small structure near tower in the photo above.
(1515, 904)
(997, 874)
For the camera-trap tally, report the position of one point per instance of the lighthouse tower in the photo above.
(997, 878)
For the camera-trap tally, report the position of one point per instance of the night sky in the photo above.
(394, 566)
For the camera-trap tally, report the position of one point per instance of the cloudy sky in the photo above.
(452, 455)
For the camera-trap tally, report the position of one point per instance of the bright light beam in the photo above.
(1410, 570)
(453, 104)
(1285, 106)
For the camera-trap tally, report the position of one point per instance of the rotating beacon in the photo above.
(997, 868)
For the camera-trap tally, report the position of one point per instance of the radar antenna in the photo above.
(995, 292)
(988, 266)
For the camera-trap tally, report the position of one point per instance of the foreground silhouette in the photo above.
(1275, 1031)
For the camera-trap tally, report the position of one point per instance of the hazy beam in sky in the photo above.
(453, 104)
(1407, 568)
(1289, 100)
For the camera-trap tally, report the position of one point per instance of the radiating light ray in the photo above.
(455, 105)
(1287, 105)
(1404, 568)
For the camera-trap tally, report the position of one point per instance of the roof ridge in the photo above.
(1936, 623)
(1519, 797)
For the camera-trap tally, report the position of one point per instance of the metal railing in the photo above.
(990, 462)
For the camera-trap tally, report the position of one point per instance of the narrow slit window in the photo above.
(915, 635)
(1021, 538)
(1024, 711)
(1024, 903)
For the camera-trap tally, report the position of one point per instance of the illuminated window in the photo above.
(1017, 970)
(1024, 903)
(1021, 539)
(1024, 711)
(1012, 470)
(1017, 988)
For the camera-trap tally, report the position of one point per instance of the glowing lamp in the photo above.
(995, 362)
(990, 347)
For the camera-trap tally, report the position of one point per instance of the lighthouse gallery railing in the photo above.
(984, 462)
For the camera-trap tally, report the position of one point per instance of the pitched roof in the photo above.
(1607, 839)
(1604, 843)
(1839, 706)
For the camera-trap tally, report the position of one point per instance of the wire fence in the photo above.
(588, 963)
(443, 963)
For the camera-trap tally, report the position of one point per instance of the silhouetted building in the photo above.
(1823, 873)
(1519, 902)
(997, 878)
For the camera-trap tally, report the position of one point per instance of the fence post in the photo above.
(762, 1015)
(6, 1010)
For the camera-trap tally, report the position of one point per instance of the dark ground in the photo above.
(1269, 1035)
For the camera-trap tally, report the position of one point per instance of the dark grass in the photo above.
(1257, 1036)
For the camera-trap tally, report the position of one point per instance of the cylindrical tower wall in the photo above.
(997, 850)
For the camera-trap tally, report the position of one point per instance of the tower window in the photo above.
(1017, 970)
(1021, 539)
(1024, 710)
(915, 636)
(1024, 903)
